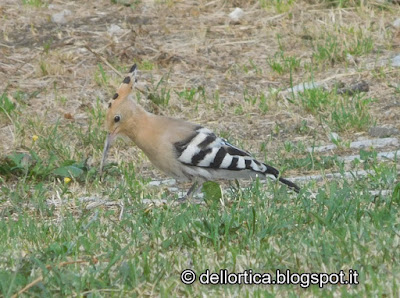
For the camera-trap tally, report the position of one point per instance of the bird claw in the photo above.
(182, 200)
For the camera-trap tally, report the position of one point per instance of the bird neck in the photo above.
(137, 122)
(145, 131)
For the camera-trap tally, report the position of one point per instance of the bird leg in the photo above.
(193, 190)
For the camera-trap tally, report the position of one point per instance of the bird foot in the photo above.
(182, 200)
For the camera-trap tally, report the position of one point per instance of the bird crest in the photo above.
(125, 87)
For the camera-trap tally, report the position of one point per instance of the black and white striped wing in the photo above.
(204, 149)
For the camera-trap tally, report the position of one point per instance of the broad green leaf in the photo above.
(212, 191)
(68, 171)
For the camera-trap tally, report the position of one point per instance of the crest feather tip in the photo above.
(133, 68)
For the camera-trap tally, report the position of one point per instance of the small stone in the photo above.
(396, 23)
(59, 18)
(304, 86)
(396, 61)
(168, 182)
(350, 58)
(114, 29)
(237, 14)
(382, 132)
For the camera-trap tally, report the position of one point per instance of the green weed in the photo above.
(334, 49)
(159, 93)
(352, 113)
(280, 5)
(6, 106)
(146, 65)
(187, 94)
(100, 76)
(252, 66)
(259, 99)
(44, 68)
(34, 3)
(340, 112)
(281, 63)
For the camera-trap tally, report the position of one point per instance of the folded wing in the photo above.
(204, 149)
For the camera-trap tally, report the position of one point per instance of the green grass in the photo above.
(159, 92)
(342, 228)
(280, 6)
(252, 66)
(332, 48)
(146, 65)
(47, 231)
(191, 94)
(282, 63)
(259, 99)
(100, 76)
(6, 106)
(35, 3)
(340, 112)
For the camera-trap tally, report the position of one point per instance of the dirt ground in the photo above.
(198, 46)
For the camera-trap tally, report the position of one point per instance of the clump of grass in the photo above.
(352, 113)
(6, 106)
(44, 68)
(328, 50)
(34, 3)
(189, 94)
(146, 65)
(47, 45)
(340, 112)
(159, 93)
(100, 76)
(311, 162)
(342, 3)
(130, 3)
(334, 48)
(316, 99)
(279, 5)
(259, 99)
(282, 63)
(252, 66)
(359, 43)
(32, 166)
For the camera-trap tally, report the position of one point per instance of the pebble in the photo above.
(114, 29)
(396, 23)
(304, 86)
(396, 61)
(59, 18)
(237, 14)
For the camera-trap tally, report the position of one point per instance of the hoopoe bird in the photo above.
(181, 149)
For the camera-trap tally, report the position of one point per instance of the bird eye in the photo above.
(117, 118)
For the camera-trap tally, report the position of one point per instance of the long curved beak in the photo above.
(107, 144)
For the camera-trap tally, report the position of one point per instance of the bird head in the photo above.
(120, 110)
